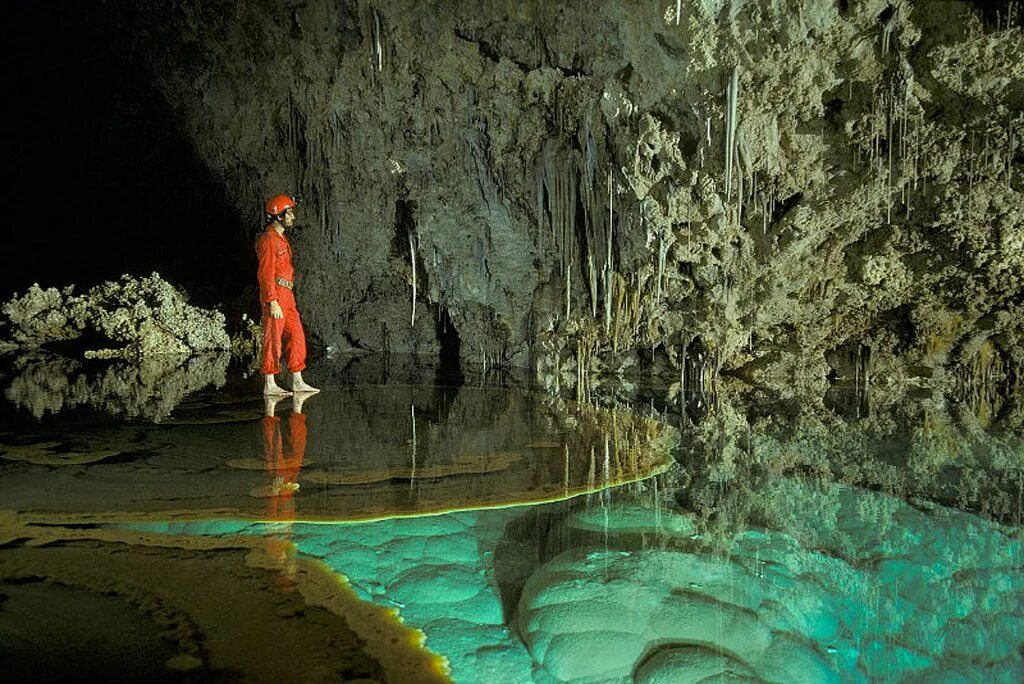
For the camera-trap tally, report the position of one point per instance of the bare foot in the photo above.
(299, 385)
(271, 388)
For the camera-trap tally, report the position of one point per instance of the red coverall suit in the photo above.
(276, 274)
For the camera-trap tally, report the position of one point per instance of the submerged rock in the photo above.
(837, 584)
(129, 318)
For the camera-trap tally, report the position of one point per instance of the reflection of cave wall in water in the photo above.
(369, 452)
(786, 181)
(925, 449)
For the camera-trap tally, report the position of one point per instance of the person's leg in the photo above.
(296, 352)
(271, 354)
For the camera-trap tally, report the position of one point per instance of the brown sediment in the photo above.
(235, 606)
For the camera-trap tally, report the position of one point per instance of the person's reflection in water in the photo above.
(284, 448)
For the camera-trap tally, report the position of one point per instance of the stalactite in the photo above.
(732, 97)
(889, 145)
(620, 313)
(568, 291)
(662, 252)
(1009, 160)
(609, 267)
(592, 273)
(682, 372)
(376, 41)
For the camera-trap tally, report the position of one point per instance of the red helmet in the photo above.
(277, 204)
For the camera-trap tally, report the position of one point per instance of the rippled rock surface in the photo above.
(843, 585)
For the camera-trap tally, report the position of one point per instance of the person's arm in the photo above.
(265, 276)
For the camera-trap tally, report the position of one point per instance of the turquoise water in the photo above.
(624, 586)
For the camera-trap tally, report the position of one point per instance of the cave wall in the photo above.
(783, 189)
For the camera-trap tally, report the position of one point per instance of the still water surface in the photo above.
(536, 540)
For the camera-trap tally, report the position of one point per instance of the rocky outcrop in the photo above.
(129, 318)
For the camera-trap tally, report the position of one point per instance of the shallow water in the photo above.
(532, 539)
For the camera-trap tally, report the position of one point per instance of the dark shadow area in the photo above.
(449, 372)
(997, 13)
(103, 180)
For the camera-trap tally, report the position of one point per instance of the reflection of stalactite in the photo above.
(984, 383)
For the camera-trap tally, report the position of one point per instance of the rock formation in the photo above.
(129, 318)
(781, 190)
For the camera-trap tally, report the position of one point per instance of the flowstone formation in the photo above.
(787, 191)
(129, 318)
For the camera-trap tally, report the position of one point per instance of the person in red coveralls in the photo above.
(280, 317)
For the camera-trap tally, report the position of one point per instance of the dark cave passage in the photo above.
(104, 181)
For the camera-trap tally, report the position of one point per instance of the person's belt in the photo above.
(284, 283)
